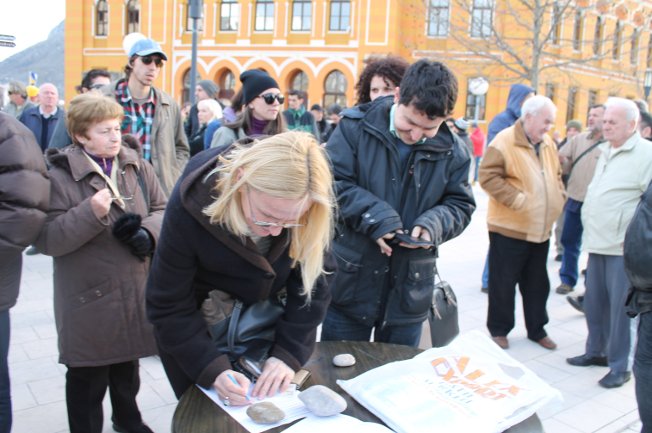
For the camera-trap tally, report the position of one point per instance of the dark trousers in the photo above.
(85, 390)
(5, 386)
(512, 262)
(643, 371)
(571, 240)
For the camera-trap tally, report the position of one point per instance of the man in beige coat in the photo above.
(578, 158)
(152, 115)
(622, 174)
(522, 175)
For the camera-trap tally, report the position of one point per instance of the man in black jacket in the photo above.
(397, 170)
(638, 256)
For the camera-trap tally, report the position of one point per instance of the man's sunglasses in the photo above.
(269, 98)
(147, 60)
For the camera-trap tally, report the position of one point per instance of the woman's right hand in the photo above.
(228, 391)
(101, 203)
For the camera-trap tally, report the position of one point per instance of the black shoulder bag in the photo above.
(443, 317)
(245, 333)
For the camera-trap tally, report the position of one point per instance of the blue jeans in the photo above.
(476, 168)
(571, 240)
(5, 388)
(338, 326)
(643, 371)
(485, 272)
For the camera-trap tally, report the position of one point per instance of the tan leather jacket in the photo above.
(526, 191)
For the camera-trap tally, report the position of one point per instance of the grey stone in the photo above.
(343, 360)
(322, 401)
(265, 413)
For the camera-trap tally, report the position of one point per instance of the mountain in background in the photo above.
(45, 58)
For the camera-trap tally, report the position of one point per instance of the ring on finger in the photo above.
(226, 401)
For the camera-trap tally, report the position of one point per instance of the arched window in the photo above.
(334, 89)
(101, 18)
(299, 81)
(133, 16)
(227, 85)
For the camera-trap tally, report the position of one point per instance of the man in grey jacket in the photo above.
(24, 199)
(152, 115)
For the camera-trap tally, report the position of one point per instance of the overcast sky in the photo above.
(30, 21)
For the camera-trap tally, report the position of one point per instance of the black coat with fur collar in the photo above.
(195, 257)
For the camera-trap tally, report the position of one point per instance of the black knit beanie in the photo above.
(255, 82)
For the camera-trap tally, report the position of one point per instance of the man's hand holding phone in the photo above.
(419, 238)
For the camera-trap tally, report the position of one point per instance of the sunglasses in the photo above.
(147, 60)
(269, 98)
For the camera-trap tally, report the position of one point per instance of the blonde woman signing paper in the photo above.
(249, 221)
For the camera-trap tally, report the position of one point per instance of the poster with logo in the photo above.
(469, 385)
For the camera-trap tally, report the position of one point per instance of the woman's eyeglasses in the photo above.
(267, 223)
(269, 98)
(147, 60)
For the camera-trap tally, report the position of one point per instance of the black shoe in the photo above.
(577, 302)
(143, 428)
(583, 272)
(564, 289)
(586, 360)
(32, 251)
(558, 257)
(615, 380)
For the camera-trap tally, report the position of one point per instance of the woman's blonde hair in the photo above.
(88, 109)
(289, 165)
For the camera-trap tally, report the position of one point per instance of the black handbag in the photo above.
(442, 317)
(243, 332)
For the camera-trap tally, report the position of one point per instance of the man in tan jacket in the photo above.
(522, 175)
(578, 158)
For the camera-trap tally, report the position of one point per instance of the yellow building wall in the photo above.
(376, 27)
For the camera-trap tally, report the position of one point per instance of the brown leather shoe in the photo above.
(547, 343)
(502, 342)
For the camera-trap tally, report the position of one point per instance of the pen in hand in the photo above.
(235, 382)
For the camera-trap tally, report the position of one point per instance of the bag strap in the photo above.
(582, 155)
(143, 187)
(233, 324)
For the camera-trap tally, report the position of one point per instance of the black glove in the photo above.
(127, 230)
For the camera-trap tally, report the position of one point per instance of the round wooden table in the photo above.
(196, 413)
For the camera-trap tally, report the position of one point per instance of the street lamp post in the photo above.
(647, 83)
(195, 13)
(478, 87)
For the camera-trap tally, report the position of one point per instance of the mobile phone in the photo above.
(405, 238)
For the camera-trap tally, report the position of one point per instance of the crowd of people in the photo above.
(152, 212)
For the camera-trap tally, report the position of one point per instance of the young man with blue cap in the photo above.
(152, 115)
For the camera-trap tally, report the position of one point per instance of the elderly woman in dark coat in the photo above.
(105, 215)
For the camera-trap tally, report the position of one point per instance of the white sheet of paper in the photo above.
(336, 423)
(288, 402)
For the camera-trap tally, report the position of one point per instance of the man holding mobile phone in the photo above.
(399, 173)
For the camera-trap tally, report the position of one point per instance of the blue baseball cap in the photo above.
(145, 47)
